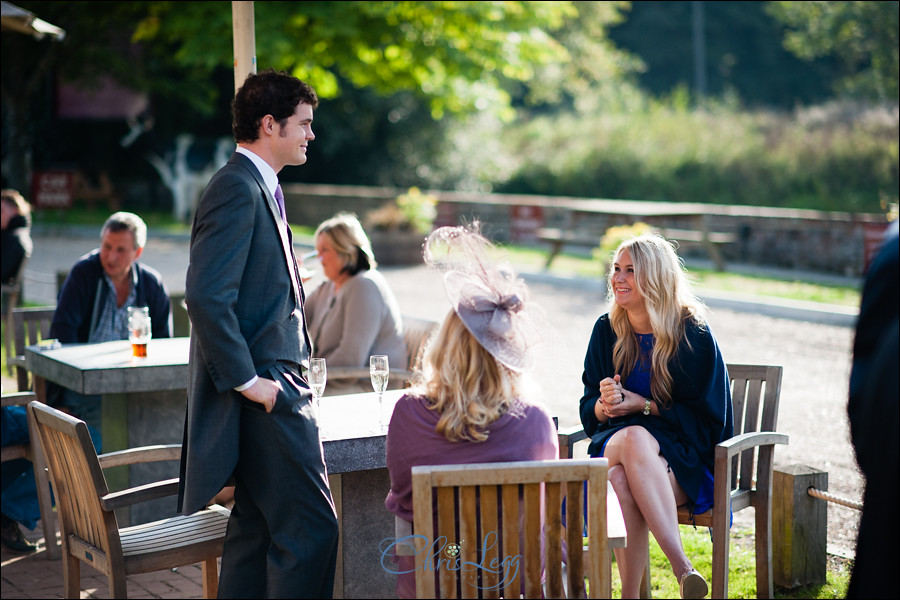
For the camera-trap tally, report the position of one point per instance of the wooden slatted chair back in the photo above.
(30, 326)
(77, 479)
(755, 393)
(88, 525)
(509, 515)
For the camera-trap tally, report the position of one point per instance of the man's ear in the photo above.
(268, 124)
(137, 254)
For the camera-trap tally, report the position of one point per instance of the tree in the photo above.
(743, 53)
(862, 36)
(457, 57)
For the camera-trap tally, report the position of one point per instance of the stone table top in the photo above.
(110, 368)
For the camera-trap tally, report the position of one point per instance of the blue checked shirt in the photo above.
(113, 322)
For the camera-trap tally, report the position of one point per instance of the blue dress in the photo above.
(699, 417)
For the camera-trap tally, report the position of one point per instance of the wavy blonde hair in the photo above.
(464, 383)
(660, 279)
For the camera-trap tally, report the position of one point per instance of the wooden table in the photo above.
(693, 228)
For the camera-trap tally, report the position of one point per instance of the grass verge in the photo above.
(764, 285)
(741, 571)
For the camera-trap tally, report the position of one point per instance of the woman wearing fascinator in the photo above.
(468, 404)
(656, 402)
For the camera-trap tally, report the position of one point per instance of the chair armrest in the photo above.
(144, 454)
(16, 361)
(745, 441)
(567, 438)
(18, 398)
(140, 493)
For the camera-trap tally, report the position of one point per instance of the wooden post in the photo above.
(799, 526)
(242, 23)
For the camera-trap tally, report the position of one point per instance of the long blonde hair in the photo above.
(465, 384)
(660, 279)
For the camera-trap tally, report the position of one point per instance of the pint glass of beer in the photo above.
(139, 330)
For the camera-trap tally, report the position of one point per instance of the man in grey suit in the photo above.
(249, 415)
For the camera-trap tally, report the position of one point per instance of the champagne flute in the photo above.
(378, 371)
(317, 378)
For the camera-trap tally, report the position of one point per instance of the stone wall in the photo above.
(829, 242)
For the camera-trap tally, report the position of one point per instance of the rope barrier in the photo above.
(816, 493)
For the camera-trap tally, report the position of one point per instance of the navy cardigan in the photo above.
(699, 417)
(82, 296)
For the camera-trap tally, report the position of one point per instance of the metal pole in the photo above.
(244, 41)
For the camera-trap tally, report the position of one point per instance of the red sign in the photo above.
(524, 221)
(52, 189)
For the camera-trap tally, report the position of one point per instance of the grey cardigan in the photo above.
(361, 319)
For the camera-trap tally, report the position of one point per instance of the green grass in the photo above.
(782, 288)
(794, 289)
(741, 571)
(80, 215)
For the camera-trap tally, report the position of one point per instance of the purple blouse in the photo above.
(525, 433)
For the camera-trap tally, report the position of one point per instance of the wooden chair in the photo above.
(90, 531)
(12, 292)
(29, 326)
(416, 333)
(743, 474)
(32, 452)
(497, 513)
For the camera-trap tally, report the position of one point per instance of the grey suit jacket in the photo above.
(246, 314)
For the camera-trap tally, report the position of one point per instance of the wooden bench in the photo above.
(559, 238)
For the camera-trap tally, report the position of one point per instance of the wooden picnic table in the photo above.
(586, 221)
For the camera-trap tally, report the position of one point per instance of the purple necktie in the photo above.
(279, 198)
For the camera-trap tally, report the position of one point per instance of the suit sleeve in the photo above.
(223, 234)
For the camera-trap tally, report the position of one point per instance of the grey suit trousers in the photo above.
(281, 489)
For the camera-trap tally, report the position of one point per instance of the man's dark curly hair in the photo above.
(267, 93)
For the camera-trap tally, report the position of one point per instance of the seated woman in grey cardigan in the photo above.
(353, 314)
